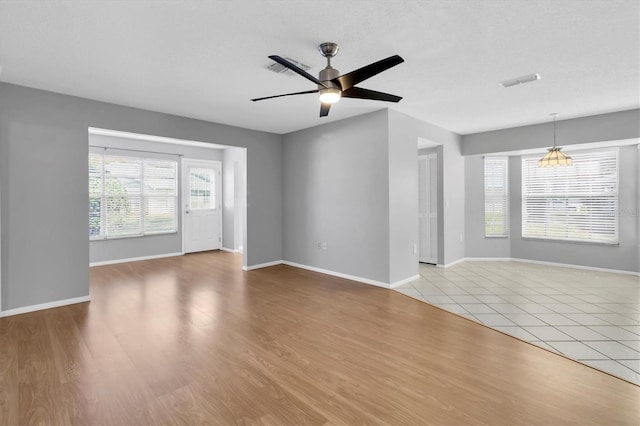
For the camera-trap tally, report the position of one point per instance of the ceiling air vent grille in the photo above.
(281, 69)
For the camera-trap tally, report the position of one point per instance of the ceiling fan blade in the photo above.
(359, 93)
(296, 69)
(324, 109)
(349, 80)
(286, 94)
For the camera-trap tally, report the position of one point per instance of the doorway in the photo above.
(428, 208)
(201, 205)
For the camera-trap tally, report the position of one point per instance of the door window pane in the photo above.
(202, 193)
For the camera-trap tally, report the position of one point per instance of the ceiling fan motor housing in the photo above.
(328, 74)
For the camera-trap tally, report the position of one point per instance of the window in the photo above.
(131, 196)
(202, 185)
(496, 197)
(572, 203)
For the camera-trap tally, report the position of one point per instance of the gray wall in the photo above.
(336, 186)
(403, 200)
(596, 128)
(43, 144)
(451, 222)
(151, 245)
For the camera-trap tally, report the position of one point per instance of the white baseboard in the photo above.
(49, 305)
(338, 274)
(135, 259)
(542, 262)
(450, 264)
(230, 250)
(262, 265)
(568, 265)
(488, 259)
(405, 281)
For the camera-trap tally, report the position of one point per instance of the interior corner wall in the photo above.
(335, 186)
(451, 181)
(43, 145)
(477, 245)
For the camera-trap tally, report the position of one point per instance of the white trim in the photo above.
(135, 259)
(488, 259)
(450, 264)
(152, 138)
(262, 265)
(49, 305)
(338, 274)
(542, 262)
(568, 265)
(230, 250)
(405, 281)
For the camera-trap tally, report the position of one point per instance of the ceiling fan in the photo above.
(332, 86)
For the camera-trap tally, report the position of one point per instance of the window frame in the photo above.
(578, 159)
(143, 194)
(503, 196)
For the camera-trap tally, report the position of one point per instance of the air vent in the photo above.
(520, 80)
(281, 69)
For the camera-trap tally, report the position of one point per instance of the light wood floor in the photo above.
(193, 339)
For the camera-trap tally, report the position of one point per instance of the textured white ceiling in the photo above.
(206, 59)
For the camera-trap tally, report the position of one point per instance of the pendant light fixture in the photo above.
(555, 157)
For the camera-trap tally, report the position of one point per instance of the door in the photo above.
(201, 202)
(428, 207)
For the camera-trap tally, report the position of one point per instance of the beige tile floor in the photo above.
(590, 316)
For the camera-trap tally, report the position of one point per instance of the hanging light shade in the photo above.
(555, 157)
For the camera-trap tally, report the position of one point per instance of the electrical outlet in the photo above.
(319, 245)
(415, 249)
(324, 245)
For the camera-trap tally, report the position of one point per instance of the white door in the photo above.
(201, 205)
(428, 207)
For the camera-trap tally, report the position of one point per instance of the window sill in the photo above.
(588, 243)
(121, 237)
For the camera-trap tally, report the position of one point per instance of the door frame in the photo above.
(184, 162)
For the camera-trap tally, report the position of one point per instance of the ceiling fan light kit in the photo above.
(332, 86)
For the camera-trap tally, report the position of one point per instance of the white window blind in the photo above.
(572, 203)
(131, 196)
(496, 196)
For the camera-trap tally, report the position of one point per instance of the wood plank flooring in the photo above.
(195, 340)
